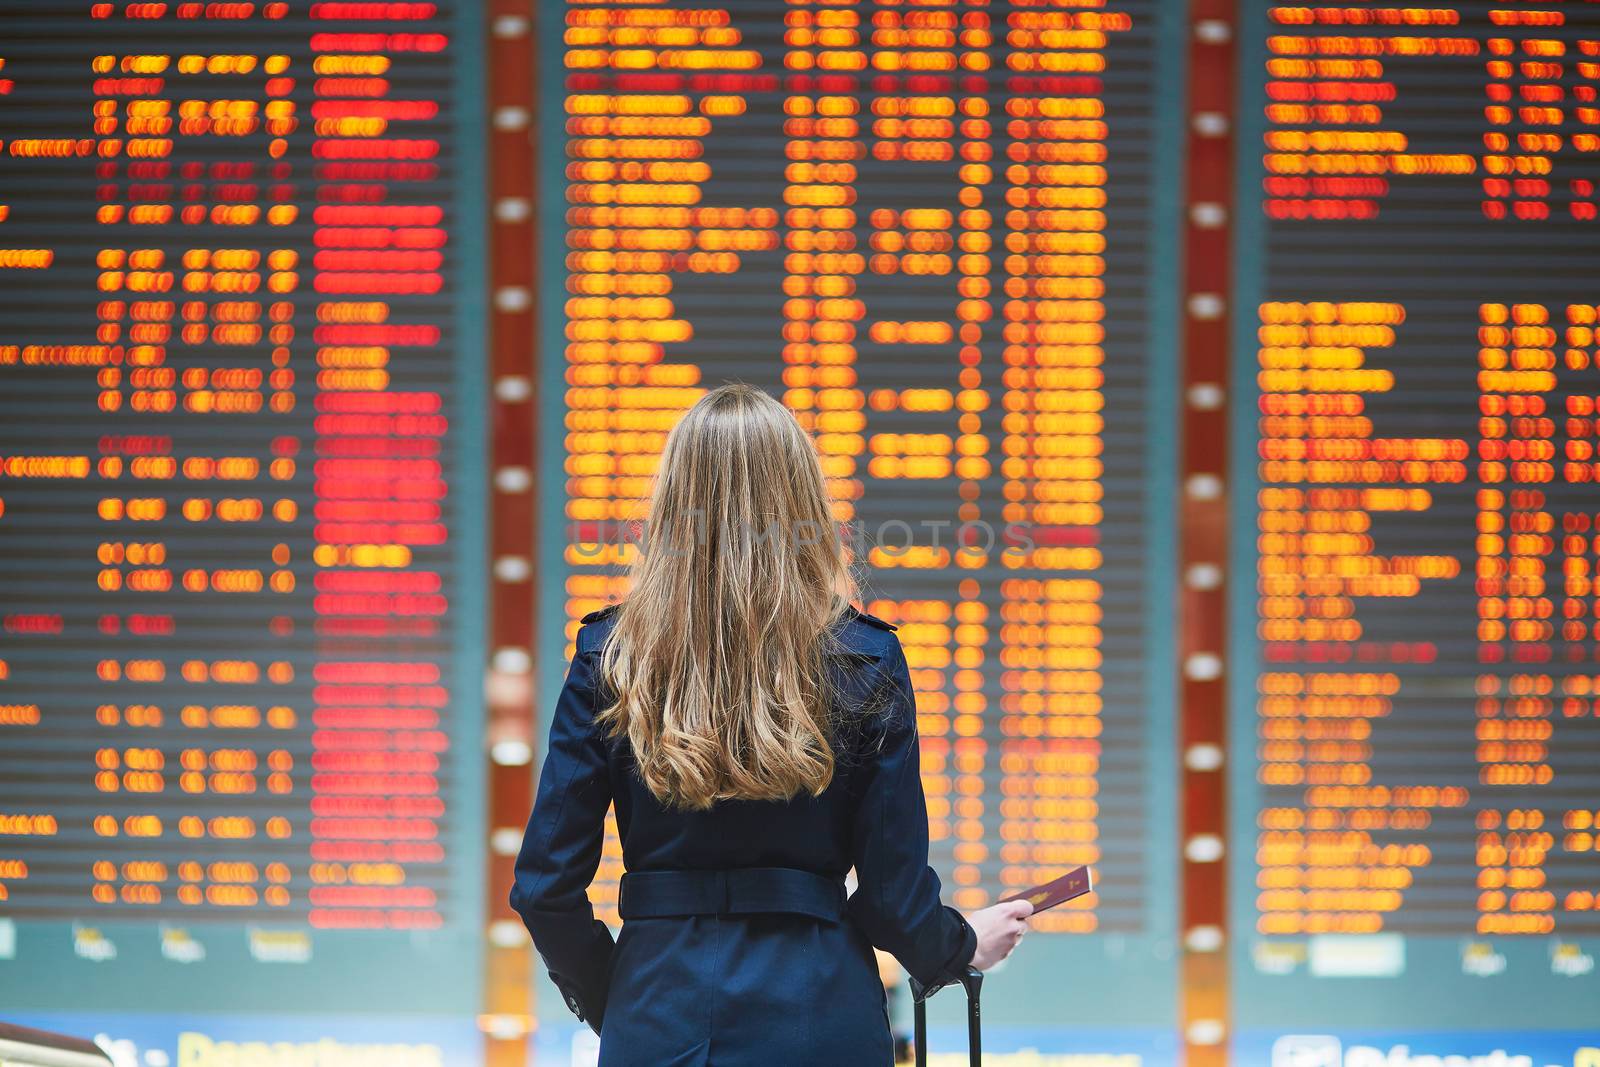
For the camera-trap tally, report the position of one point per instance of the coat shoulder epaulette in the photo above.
(872, 620)
(602, 613)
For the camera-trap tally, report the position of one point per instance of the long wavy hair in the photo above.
(716, 664)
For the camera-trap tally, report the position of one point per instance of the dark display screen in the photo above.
(1416, 643)
(938, 233)
(239, 508)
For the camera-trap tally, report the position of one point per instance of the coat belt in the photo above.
(736, 891)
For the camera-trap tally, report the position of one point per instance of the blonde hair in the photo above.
(716, 663)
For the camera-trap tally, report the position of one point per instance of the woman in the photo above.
(758, 737)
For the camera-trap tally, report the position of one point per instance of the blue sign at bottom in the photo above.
(1420, 1048)
(133, 1040)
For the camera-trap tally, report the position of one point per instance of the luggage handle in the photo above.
(972, 981)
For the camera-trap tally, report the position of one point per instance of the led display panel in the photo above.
(240, 517)
(944, 235)
(1416, 657)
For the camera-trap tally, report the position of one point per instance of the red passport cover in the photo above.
(1075, 883)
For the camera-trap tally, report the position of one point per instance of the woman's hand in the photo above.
(999, 928)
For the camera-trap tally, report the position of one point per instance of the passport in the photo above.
(1075, 883)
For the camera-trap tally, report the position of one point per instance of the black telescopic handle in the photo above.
(919, 1021)
(972, 981)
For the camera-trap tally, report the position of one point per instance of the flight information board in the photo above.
(1417, 656)
(932, 230)
(240, 507)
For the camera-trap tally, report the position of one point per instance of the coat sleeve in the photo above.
(561, 850)
(896, 903)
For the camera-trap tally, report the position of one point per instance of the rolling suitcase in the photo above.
(972, 981)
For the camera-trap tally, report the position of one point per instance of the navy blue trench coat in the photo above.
(738, 945)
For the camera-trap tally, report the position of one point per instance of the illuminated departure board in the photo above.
(1416, 616)
(240, 514)
(932, 230)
